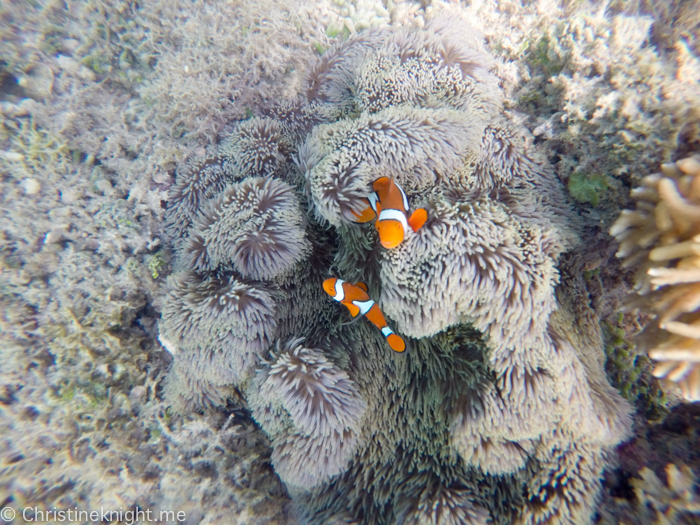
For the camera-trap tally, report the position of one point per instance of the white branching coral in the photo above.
(673, 502)
(660, 239)
(322, 407)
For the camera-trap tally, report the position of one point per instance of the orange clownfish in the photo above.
(388, 203)
(356, 299)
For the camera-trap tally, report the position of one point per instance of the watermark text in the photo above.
(128, 517)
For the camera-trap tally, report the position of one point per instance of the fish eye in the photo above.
(391, 233)
(329, 287)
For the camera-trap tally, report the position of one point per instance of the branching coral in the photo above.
(673, 502)
(660, 240)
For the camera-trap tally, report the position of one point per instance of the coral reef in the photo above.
(103, 101)
(629, 368)
(497, 394)
(608, 91)
(99, 102)
(671, 503)
(657, 446)
(660, 240)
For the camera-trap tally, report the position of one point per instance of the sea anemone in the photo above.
(330, 80)
(254, 226)
(257, 148)
(208, 309)
(216, 328)
(427, 69)
(435, 504)
(196, 182)
(323, 408)
(492, 271)
(305, 461)
(418, 147)
(319, 397)
(297, 117)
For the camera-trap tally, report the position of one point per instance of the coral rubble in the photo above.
(500, 409)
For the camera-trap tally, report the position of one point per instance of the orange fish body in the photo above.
(358, 301)
(389, 205)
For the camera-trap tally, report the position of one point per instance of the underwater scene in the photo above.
(350, 262)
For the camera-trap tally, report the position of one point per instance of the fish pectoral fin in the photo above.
(417, 219)
(363, 286)
(351, 322)
(365, 216)
(396, 343)
(354, 310)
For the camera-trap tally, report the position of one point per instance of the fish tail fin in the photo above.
(396, 343)
(417, 219)
(375, 315)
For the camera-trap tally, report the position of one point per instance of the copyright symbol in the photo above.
(7, 514)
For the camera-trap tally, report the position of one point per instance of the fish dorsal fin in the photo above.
(363, 286)
(381, 186)
(354, 310)
(417, 219)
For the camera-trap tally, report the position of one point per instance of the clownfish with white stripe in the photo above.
(389, 205)
(357, 300)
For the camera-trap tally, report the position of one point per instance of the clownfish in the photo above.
(356, 299)
(388, 203)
